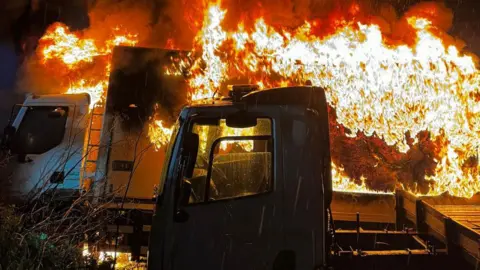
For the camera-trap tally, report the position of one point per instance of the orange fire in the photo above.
(75, 53)
(377, 87)
(341, 182)
(159, 135)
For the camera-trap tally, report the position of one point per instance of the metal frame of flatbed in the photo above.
(446, 219)
(353, 212)
(426, 214)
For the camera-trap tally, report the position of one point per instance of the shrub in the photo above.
(25, 245)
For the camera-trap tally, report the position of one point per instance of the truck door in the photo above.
(232, 219)
(48, 146)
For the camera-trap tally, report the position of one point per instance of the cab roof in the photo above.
(58, 98)
(298, 95)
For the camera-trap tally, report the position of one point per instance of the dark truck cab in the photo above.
(246, 184)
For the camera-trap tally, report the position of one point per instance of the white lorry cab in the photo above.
(63, 146)
(246, 184)
(46, 140)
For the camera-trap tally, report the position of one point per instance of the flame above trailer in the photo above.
(61, 49)
(377, 88)
(398, 92)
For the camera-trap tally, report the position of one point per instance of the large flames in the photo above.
(377, 87)
(159, 134)
(60, 48)
(380, 90)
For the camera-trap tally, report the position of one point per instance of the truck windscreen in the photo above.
(42, 128)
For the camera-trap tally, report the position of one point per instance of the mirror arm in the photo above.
(7, 138)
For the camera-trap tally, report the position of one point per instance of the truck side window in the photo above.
(42, 128)
(241, 166)
(243, 170)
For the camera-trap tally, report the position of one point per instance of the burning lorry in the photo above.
(71, 146)
(245, 181)
(248, 185)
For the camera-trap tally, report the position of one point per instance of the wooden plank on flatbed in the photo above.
(373, 208)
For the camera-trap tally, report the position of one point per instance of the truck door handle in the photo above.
(22, 158)
(180, 216)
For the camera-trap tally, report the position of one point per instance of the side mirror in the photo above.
(180, 214)
(189, 152)
(241, 120)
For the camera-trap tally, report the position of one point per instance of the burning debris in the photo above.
(403, 95)
(158, 133)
